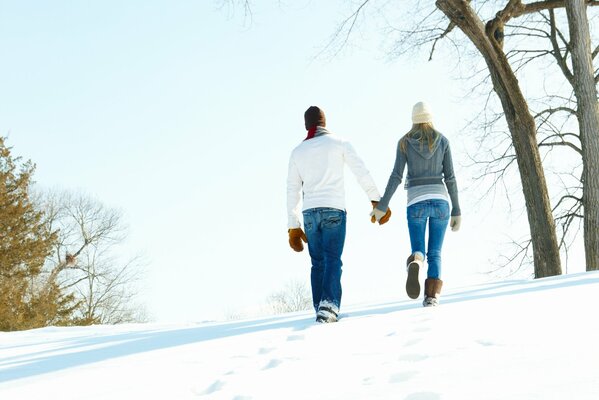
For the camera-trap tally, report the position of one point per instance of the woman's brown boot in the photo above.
(432, 292)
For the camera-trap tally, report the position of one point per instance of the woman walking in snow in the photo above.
(428, 157)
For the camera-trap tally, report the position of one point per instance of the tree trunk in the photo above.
(588, 121)
(523, 132)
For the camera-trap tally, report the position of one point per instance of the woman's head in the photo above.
(422, 127)
(421, 113)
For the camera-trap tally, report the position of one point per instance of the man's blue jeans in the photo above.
(325, 230)
(436, 213)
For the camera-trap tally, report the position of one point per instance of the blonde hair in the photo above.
(424, 132)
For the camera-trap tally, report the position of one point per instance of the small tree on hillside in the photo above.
(294, 297)
(84, 260)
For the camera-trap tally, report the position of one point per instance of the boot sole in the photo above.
(412, 283)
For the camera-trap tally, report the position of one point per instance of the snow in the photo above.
(506, 340)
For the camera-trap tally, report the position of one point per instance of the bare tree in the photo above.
(588, 121)
(542, 45)
(542, 37)
(85, 263)
(294, 297)
(488, 39)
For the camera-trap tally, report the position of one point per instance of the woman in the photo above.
(428, 156)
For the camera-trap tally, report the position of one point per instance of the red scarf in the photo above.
(311, 133)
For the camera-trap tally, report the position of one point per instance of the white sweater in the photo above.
(316, 168)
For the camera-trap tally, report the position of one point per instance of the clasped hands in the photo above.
(382, 217)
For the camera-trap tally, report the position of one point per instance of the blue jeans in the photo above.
(436, 212)
(325, 230)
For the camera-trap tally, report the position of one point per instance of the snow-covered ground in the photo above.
(509, 340)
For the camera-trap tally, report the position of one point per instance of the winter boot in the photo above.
(432, 292)
(327, 312)
(412, 284)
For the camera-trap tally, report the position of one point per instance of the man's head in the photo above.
(313, 117)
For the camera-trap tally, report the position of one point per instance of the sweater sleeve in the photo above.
(358, 168)
(294, 188)
(450, 182)
(394, 180)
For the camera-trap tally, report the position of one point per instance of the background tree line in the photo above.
(58, 256)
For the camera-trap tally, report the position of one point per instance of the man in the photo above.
(315, 174)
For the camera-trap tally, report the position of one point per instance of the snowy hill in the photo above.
(508, 340)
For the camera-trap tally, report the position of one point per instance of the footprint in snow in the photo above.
(413, 357)
(295, 337)
(216, 386)
(265, 350)
(368, 381)
(423, 396)
(242, 398)
(273, 364)
(422, 329)
(485, 343)
(412, 342)
(402, 376)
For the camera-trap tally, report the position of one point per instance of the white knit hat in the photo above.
(421, 113)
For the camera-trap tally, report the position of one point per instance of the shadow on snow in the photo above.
(91, 349)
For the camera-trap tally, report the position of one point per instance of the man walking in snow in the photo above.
(315, 174)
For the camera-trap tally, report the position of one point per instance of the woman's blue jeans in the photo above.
(436, 213)
(325, 230)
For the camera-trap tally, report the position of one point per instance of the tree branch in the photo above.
(561, 59)
(545, 5)
(560, 143)
(351, 21)
(441, 36)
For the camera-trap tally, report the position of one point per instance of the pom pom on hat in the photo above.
(421, 113)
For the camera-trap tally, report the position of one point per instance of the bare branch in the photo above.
(567, 197)
(545, 5)
(441, 36)
(519, 257)
(546, 142)
(554, 110)
(559, 57)
(351, 21)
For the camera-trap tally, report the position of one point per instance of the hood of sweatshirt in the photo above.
(421, 148)
(321, 130)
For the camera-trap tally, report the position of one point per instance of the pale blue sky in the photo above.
(183, 116)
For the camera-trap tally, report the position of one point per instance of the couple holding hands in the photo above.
(315, 178)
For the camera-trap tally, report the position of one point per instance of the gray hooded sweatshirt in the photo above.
(425, 167)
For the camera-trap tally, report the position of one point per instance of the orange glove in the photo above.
(378, 215)
(296, 235)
